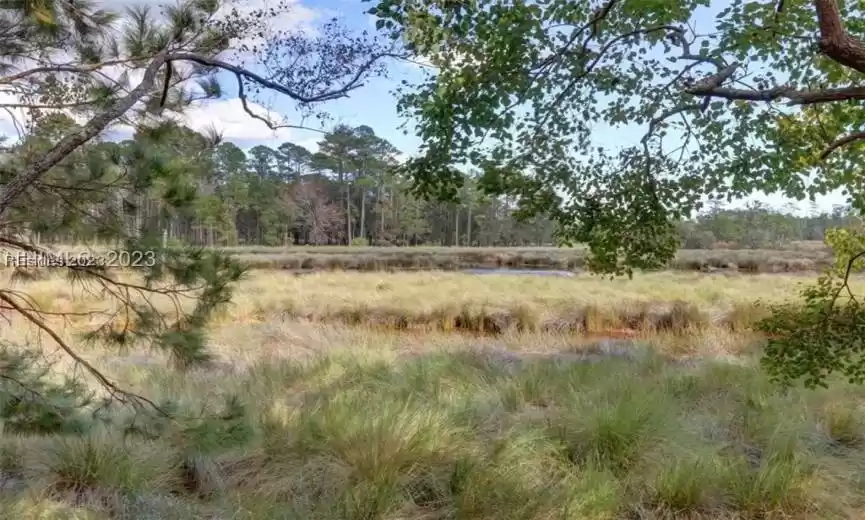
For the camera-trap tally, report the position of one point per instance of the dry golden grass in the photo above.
(360, 422)
(795, 258)
(350, 423)
(489, 304)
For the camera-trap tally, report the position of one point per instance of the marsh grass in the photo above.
(795, 258)
(685, 303)
(449, 259)
(368, 426)
(315, 410)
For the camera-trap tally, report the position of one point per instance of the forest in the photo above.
(350, 192)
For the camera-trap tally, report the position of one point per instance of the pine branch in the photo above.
(115, 391)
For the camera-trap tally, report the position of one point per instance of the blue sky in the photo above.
(372, 105)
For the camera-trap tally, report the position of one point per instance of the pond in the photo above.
(502, 270)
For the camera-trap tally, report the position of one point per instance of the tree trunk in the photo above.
(348, 228)
(469, 226)
(381, 213)
(457, 226)
(347, 191)
(363, 213)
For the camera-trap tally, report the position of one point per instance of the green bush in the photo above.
(825, 333)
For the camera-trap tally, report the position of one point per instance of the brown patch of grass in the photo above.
(484, 304)
(797, 258)
(447, 259)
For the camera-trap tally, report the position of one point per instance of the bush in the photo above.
(826, 332)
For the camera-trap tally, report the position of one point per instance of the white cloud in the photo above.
(10, 118)
(227, 117)
(310, 143)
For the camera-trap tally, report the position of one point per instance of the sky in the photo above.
(373, 105)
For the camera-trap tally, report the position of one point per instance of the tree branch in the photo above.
(76, 69)
(241, 94)
(844, 141)
(340, 92)
(835, 42)
(94, 127)
(98, 123)
(794, 97)
(112, 388)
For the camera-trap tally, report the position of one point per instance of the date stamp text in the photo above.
(119, 259)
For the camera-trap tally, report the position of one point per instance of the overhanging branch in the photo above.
(69, 143)
(844, 141)
(241, 94)
(835, 42)
(328, 95)
(32, 173)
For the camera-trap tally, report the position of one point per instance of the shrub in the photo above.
(826, 332)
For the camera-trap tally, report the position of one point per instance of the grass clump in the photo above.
(466, 435)
(318, 420)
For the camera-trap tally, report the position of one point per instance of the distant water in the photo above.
(535, 272)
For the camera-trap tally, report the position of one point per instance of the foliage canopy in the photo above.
(718, 99)
(754, 102)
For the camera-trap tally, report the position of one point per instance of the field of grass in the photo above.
(804, 257)
(328, 412)
(449, 259)
(680, 303)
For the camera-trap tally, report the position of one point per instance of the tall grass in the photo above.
(360, 431)
(488, 304)
(335, 418)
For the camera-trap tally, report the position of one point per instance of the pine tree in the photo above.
(77, 72)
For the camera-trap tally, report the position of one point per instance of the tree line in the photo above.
(351, 191)
(759, 226)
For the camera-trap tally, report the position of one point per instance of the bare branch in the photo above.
(241, 94)
(328, 95)
(844, 141)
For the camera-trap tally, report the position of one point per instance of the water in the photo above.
(535, 272)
